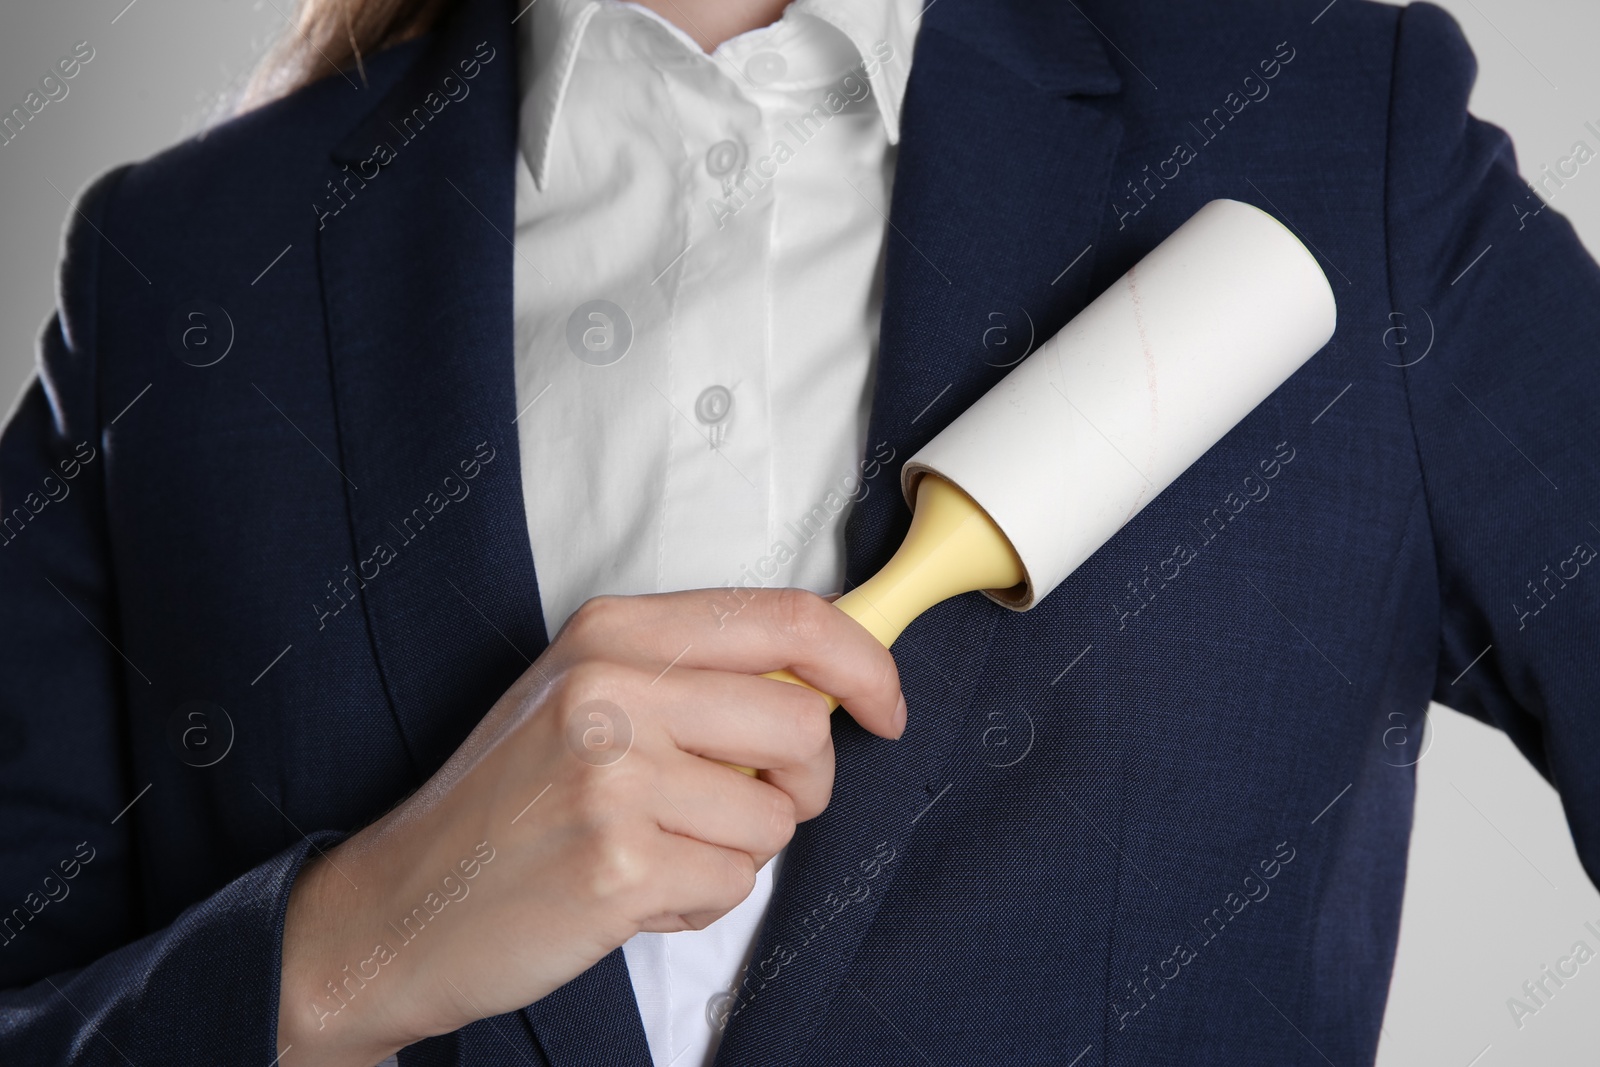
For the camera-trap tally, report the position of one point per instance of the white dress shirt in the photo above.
(698, 272)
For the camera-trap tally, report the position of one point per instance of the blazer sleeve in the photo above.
(1497, 290)
(84, 979)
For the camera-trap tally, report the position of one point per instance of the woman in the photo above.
(298, 774)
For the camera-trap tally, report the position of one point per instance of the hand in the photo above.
(550, 837)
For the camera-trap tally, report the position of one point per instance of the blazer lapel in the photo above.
(1000, 188)
(417, 276)
(417, 272)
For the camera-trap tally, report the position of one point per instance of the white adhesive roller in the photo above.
(1085, 432)
(1048, 465)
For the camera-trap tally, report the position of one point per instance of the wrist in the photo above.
(335, 1008)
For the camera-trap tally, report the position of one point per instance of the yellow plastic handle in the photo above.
(953, 547)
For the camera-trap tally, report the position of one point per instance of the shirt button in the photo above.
(718, 1010)
(722, 158)
(713, 405)
(765, 68)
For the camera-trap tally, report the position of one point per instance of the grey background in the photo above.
(1495, 891)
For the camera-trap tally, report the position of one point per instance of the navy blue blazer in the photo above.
(1161, 819)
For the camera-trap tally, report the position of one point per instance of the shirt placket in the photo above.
(721, 445)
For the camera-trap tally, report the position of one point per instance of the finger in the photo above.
(834, 654)
(782, 729)
(808, 782)
(699, 880)
(810, 786)
(741, 719)
(718, 805)
(773, 629)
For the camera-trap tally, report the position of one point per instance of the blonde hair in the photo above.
(332, 36)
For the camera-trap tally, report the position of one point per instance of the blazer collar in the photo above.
(1055, 49)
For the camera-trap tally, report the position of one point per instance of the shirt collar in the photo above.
(553, 32)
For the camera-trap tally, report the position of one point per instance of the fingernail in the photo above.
(900, 717)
